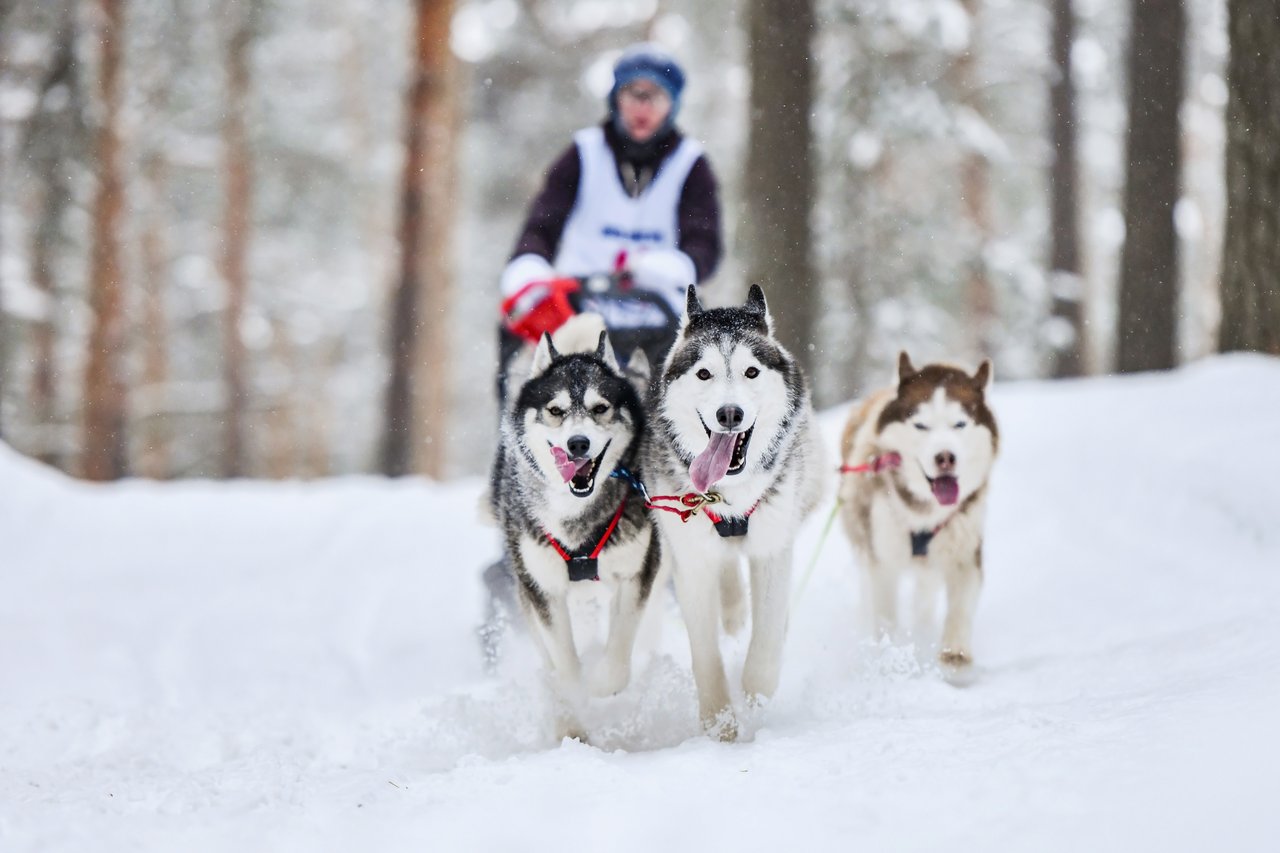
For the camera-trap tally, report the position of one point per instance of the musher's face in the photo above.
(643, 106)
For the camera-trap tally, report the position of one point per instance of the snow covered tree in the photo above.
(1251, 254)
(1147, 324)
(54, 135)
(104, 453)
(779, 184)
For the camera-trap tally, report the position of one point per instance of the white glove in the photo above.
(668, 272)
(523, 270)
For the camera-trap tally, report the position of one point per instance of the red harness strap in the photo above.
(874, 465)
(716, 519)
(583, 567)
(692, 501)
(920, 539)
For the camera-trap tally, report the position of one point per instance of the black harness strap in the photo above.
(584, 566)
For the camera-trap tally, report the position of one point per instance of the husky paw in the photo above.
(957, 667)
(570, 730)
(607, 679)
(722, 726)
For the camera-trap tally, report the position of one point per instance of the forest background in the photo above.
(262, 238)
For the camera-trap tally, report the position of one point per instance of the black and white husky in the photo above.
(566, 522)
(733, 457)
(917, 458)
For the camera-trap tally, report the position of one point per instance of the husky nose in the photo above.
(730, 417)
(946, 462)
(578, 445)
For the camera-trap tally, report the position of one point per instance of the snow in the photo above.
(293, 666)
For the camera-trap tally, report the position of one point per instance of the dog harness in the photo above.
(585, 566)
(692, 503)
(920, 539)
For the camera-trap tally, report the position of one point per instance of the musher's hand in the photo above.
(535, 300)
(668, 272)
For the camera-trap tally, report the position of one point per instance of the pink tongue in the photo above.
(712, 463)
(946, 490)
(566, 466)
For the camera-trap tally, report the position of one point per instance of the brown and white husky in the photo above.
(916, 462)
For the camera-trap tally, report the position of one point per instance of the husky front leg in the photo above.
(613, 671)
(882, 581)
(770, 599)
(733, 598)
(547, 613)
(698, 590)
(555, 637)
(964, 582)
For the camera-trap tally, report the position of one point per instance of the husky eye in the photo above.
(752, 372)
(920, 426)
(555, 411)
(961, 424)
(599, 408)
(704, 374)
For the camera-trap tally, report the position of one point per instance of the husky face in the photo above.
(940, 425)
(729, 389)
(577, 417)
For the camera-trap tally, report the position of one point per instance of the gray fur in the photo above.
(530, 500)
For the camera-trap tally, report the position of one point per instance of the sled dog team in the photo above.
(684, 468)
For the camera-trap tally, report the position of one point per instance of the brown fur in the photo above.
(883, 536)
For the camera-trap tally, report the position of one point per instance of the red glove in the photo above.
(539, 306)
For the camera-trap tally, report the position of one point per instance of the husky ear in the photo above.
(543, 356)
(604, 352)
(756, 305)
(905, 369)
(638, 370)
(982, 376)
(692, 308)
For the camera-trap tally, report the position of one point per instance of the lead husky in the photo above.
(566, 522)
(732, 435)
(914, 494)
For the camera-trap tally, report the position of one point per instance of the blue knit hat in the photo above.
(647, 61)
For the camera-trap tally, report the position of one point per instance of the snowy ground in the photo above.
(255, 666)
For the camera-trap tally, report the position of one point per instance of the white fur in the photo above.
(706, 567)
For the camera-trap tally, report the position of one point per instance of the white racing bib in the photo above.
(606, 221)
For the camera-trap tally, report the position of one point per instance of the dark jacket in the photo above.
(698, 216)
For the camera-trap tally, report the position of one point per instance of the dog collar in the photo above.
(731, 527)
(584, 566)
(920, 540)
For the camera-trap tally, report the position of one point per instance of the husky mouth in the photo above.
(579, 471)
(725, 455)
(946, 488)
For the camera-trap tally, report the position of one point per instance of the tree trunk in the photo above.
(975, 184)
(779, 181)
(1251, 251)
(413, 297)
(154, 459)
(53, 167)
(431, 387)
(1064, 269)
(237, 216)
(1149, 272)
(105, 453)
